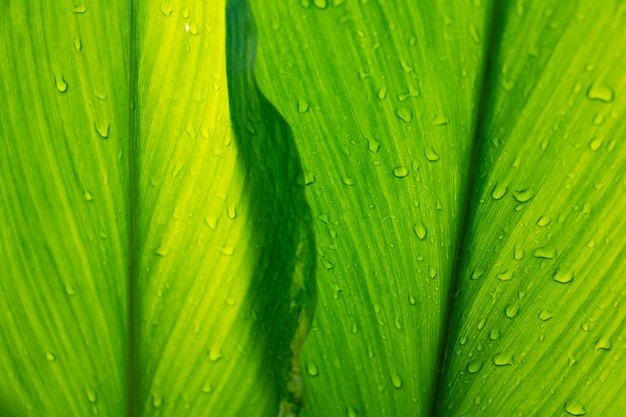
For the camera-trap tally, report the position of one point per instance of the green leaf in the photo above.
(464, 247)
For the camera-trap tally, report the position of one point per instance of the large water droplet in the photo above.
(545, 315)
(502, 359)
(396, 379)
(499, 190)
(373, 145)
(420, 230)
(574, 408)
(381, 93)
(494, 334)
(545, 252)
(80, 9)
(303, 105)
(595, 143)
(311, 369)
(400, 171)
(511, 310)
(404, 114)
(92, 396)
(320, 4)
(231, 211)
(600, 92)
(51, 357)
(440, 120)
(522, 196)
(474, 366)
(60, 83)
(431, 154)
(157, 400)
(103, 129)
(563, 277)
(349, 181)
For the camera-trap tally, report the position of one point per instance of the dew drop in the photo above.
(321, 4)
(431, 154)
(420, 230)
(51, 357)
(511, 310)
(309, 177)
(78, 45)
(373, 145)
(327, 264)
(186, 13)
(481, 324)
(432, 272)
(302, 105)
(505, 275)
(412, 299)
(88, 196)
(499, 191)
(563, 277)
(349, 181)
(600, 92)
(102, 129)
(474, 366)
(603, 343)
(69, 289)
(311, 369)
(396, 379)
(545, 315)
(574, 408)
(231, 211)
(477, 273)
(157, 400)
(595, 144)
(494, 334)
(404, 114)
(400, 171)
(161, 251)
(523, 196)
(92, 396)
(60, 83)
(545, 252)
(211, 221)
(518, 252)
(382, 93)
(585, 327)
(207, 388)
(440, 120)
(80, 9)
(543, 221)
(502, 359)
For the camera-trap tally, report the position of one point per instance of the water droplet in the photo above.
(603, 343)
(440, 120)
(88, 196)
(502, 359)
(102, 129)
(323, 218)
(413, 92)
(412, 299)
(211, 221)
(192, 29)
(186, 13)
(600, 92)
(397, 323)
(545, 252)
(396, 379)
(321, 4)
(494, 334)
(564, 277)
(157, 400)
(595, 144)
(352, 412)
(231, 211)
(574, 408)
(78, 45)
(207, 388)
(477, 273)
(474, 366)
(543, 221)
(92, 396)
(432, 272)
(505, 275)
(69, 288)
(311, 369)
(420, 230)
(162, 251)
(215, 354)
(166, 10)
(80, 9)
(60, 83)
(400, 171)
(404, 114)
(373, 145)
(523, 196)
(309, 177)
(382, 93)
(511, 310)
(545, 315)
(499, 191)
(51, 357)
(303, 105)
(349, 181)
(431, 154)
(481, 324)
(518, 252)
(227, 250)
(327, 264)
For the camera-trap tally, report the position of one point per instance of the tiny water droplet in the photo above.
(211, 221)
(545, 252)
(397, 323)
(192, 29)
(499, 191)
(302, 105)
(494, 334)
(432, 272)
(352, 412)
(51, 357)
(420, 230)
(311, 369)
(502, 359)
(373, 145)
(396, 379)
(543, 221)
(595, 144)
(440, 120)
(186, 13)
(382, 93)
(518, 252)
(477, 273)
(309, 177)
(92, 396)
(412, 299)
(404, 114)
(574, 408)
(320, 4)
(60, 83)
(481, 324)
(511, 310)
(327, 264)
(161, 251)
(78, 45)
(585, 327)
(207, 388)
(505, 275)
(523, 196)
(474, 366)
(400, 171)
(545, 315)
(102, 129)
(227, 250)
(69, 289)
(166, 10)
(157, 400)
(600, 92)
(431, 154)
(88, 196)
(231, 211)
(80, 9)
(563, 277)
(215, 354)
(603, 343)
(349, 181)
